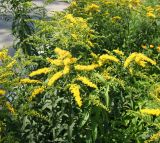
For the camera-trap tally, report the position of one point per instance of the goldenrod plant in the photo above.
(96, 77)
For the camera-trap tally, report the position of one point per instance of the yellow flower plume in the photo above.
(74, 89)
(40, 71)
(86, 81)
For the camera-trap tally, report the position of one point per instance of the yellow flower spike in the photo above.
(150, 14)
(2, 92)
(93, 8)
(153, 138)
(105, 57)
(145, 58)
(10, 65)
(55, 77)
(87, 82)
(155, 112)
(3, 54)
(68, 61)
(75, 90)
(117, 51)
(71, 18)
(9, 107)
(57, 62)
(62, 53)
(86, 67)
(66, 70)
(129, 59)
(36, 91)
(29, 81)
(40, 71)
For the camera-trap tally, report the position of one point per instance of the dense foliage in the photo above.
(93, 78)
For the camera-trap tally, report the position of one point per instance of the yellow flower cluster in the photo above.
(86, 67)
(2, 92)
(150, 12)
(139, 58)
(55, 77)
(70, 18)
(9, 107)
(36, 91)
(93, 8)
(3, 54)
(105, 57)
(29, 81)
(66, 69)
(10, 65)
(130, 59)
(117, 51)
(62, 53)
(153, 138)
(56, 62)
(155, 112)
(40, 71)
(86, 81)
(74, 89)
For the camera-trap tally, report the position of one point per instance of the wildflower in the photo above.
(129, 59)
(117, 51)
(40, 71)
(3, 54)
(149, 8)
(57, 62)
(36, 91)
(62, 53)
(153, 138)
(69, 61)
(93, 8)
(155, 112)
(151, 46)
(150, 14)
(70, 18)
(74, 89)
(86, 67)
(158, 48)
(10, 65)
(144, 46)
(66, 70)
(105, 57)
(55, 77)
(87, 81)
(2, 92)
(9, 107)
(29, 81)
(145, 58)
